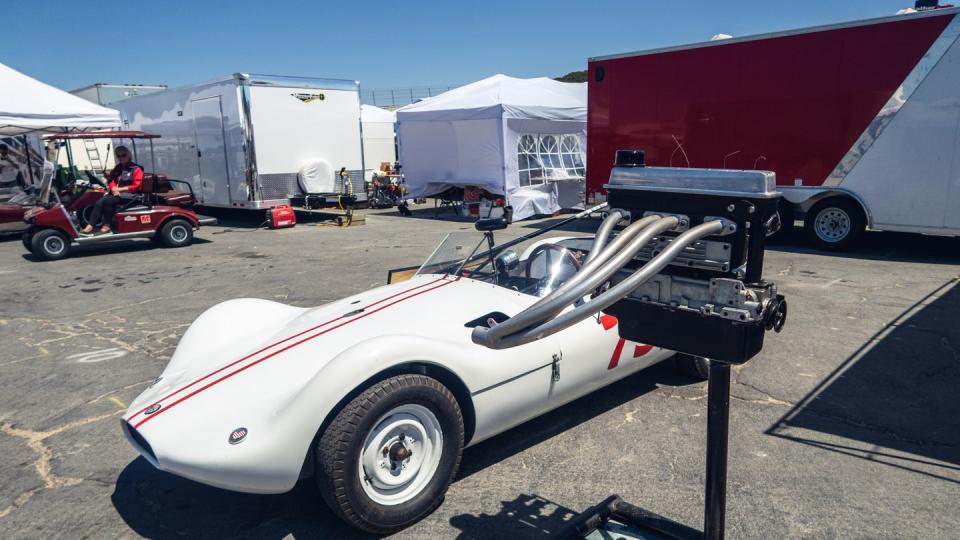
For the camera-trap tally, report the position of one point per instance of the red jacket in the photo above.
(129, 176)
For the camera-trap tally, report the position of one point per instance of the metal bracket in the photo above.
(555, 367)
(683, 220)
(729, 227)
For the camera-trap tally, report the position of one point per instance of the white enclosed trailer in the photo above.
(256, 141)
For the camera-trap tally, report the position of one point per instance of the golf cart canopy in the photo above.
(104, 135)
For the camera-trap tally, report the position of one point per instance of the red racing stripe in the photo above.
(298, 334)
(288, 347)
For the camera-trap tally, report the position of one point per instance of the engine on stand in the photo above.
(686, 274)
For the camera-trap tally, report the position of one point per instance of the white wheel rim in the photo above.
(412, 433)
(178, 233)
(53, 245)
(832, 224)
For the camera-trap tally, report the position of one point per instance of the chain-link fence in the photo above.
(398, 97)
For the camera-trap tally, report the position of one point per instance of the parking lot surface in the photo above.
(846, 425)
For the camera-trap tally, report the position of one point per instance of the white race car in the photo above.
(375, 395)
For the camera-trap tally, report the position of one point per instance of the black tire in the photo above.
(83, 216)
(339, 450)
(27, 239)
(695, 367)
(787, 218)
(176, 233)
(834, 224)
(50, 244)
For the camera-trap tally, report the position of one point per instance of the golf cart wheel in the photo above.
(834, 224)
(176, 233)
(50, 244)
(27, 239)
(387, 458)
(83, 216)
(695, 367)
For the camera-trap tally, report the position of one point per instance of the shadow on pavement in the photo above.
(880, 246)
(122, 246)
(527, 516)
(156, 504)
(159, 505)
(896, 394)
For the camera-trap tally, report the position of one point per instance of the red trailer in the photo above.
(860, 121)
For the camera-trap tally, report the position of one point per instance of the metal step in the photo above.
(112, 236)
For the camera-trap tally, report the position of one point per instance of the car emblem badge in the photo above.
(152, 409)
(238, 435)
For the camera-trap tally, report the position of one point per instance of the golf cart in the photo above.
(80, 188)
(158, 212)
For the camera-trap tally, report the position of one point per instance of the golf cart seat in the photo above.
(156, 190)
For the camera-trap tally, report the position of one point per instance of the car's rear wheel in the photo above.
(387, 458)
(50, 244)
(176, 233)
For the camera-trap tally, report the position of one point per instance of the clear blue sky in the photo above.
(382, 44)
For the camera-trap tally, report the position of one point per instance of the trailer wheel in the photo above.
(387, 458)
(50, 244)
(834, 224)
(176, 233)
(695, 367)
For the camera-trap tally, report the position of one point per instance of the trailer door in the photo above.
(214, 182)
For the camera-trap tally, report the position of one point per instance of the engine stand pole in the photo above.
(718, 420)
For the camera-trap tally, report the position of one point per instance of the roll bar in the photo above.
(532, 330)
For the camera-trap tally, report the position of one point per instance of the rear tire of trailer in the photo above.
(695, 367)
(834, 224)
(176, 233)
(387, 458)
(50, 245)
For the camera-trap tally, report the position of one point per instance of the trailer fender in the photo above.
(804, 198)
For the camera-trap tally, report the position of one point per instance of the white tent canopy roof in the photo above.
(501, 96)
(28, 105)
(369, 113)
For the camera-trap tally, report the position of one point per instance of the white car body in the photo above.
(279, 372)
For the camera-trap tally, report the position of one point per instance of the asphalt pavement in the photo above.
(846, 425)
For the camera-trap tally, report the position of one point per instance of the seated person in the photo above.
(123, 183)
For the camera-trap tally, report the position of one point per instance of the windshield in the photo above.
(449, 256)
(545, 265)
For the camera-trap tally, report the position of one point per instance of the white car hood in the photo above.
(272, 349)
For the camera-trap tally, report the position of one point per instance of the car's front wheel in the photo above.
(387, 458)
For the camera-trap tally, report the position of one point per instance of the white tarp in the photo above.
(28, 105)
(379, 138)
(469, 136)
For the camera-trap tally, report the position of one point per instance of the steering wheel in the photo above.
(545, 247)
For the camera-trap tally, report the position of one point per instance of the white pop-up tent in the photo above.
(379, 138)
(524, 139)
(30, 106)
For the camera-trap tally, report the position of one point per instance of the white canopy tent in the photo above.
(29, 106)
(379, 137)
(524, 139)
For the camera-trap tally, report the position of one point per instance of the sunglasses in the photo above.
(121, 156)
